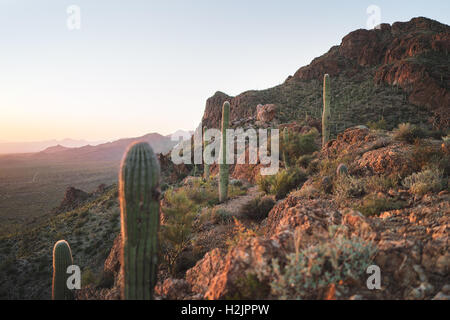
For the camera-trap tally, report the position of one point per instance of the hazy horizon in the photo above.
(144, 67)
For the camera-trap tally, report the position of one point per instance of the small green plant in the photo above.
(221, 216)
(373, 205)
(427, 180)
(62, 259)
(308, 272)
(377, 125)
(257, 209)
(283, 182)
(347, 186)
(176, 232)
(408, 133)
(249, 287)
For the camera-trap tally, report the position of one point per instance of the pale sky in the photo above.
(136, 67)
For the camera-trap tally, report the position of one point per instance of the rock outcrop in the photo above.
(410, 55)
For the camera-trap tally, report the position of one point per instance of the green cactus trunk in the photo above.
(205, 165)
(223, 166)
(139, 204)
(285, 142)
(326, 115)
(62, 259)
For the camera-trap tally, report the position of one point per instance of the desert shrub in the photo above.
(221, 216)
(304, 160)
(427, 180)
(176, 232)
(299, 144)
(249, 287)
(347, 186)
(88, 278)
(309, 192)
(408, 133)
(257, 209)
(283, 182)
(241, 233)
(381, 183)
(377, 125)
(310, 271)
(372, 205)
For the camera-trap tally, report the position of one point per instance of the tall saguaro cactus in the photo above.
(62, 259)
(139, 194)
(326, 115)
(223, 166)
(205, 165)
(285, 143)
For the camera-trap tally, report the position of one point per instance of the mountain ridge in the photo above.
(407, 65)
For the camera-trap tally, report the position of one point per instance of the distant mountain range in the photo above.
(96, 150)
(36, 146)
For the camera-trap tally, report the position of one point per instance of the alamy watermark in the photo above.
(238, 141)
(74, 17)
(374, 19)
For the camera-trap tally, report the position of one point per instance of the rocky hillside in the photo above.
(325, 233)
(399, 72)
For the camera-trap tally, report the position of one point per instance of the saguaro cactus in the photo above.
(62, 259)
(205, 165)
(326, 115)
(285, 142)
(223, 166)
(139, 194)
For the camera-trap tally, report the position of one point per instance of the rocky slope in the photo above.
(399, 72)
(407, 239)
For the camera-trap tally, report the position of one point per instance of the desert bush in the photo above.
(249, 287)
(305, 160)
(427, 180)
(241, 233)
(381, 183)
(88, 278)
(176, 231)
(309, 272)
(257, 209)
(283, 182)
(221, 216)
(373, 204)
(408, 133)
(299, 145)
(347, 186)
(377, 125)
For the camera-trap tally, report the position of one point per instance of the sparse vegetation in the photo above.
(308, 272)
(373, 204)
(408, 133)
(176, 231)
(257, 209)
(427, 180)
(283, 182)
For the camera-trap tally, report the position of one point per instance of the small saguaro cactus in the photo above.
(139, 195)
(326, 115)
(285, 142)
(341, 170)
(205, 165)
(223, 166)
(62, 259)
